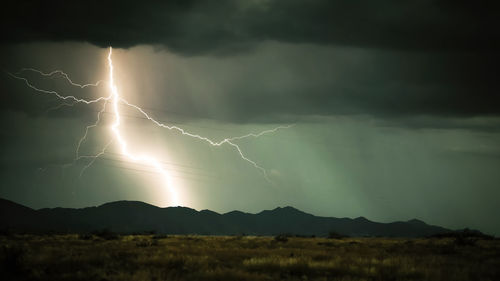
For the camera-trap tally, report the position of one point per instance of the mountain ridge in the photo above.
(137, 217)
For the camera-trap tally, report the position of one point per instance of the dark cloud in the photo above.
(274, 83)
(202, 26)
(293, 81)
(390, 59)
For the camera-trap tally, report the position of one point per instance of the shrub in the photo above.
(12, 258)
(143, 243)
(464, 233)
(5, 232)
(336, 235)
(85, 236)
(106, 234)
(160, 236)
(327, 244)
(465, 241)
(281, 238)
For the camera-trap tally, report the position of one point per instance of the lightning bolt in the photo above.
(61, 73)
(114, 99)
(64, 98)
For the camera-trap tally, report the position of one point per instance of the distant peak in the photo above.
(207, 211)
(126, 203)
(416, 221)
(181, 208)
(284, 210)
(235, 212)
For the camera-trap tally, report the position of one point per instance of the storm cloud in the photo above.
(389, 59)
(202, 26)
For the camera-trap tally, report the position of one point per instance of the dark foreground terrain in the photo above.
(106, 256)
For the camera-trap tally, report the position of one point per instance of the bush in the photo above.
(465, 241)
(12, 258)
(144, 243)
(85, 236)
(106, 234)
(462, 234)
(160, 236)
(335, 235)
(281, 238)
(5, 232)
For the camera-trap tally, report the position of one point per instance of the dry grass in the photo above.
(148, 257)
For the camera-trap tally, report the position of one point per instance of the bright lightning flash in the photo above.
(115, 99)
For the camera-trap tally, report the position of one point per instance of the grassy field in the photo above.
(154, 257)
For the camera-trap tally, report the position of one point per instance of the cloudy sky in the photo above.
(395, 105)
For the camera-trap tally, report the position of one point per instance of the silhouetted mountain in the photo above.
(16, 216)
(139, 217)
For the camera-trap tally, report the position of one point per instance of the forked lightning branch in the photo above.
(113, 100)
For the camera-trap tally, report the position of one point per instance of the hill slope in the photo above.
(137, 217)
